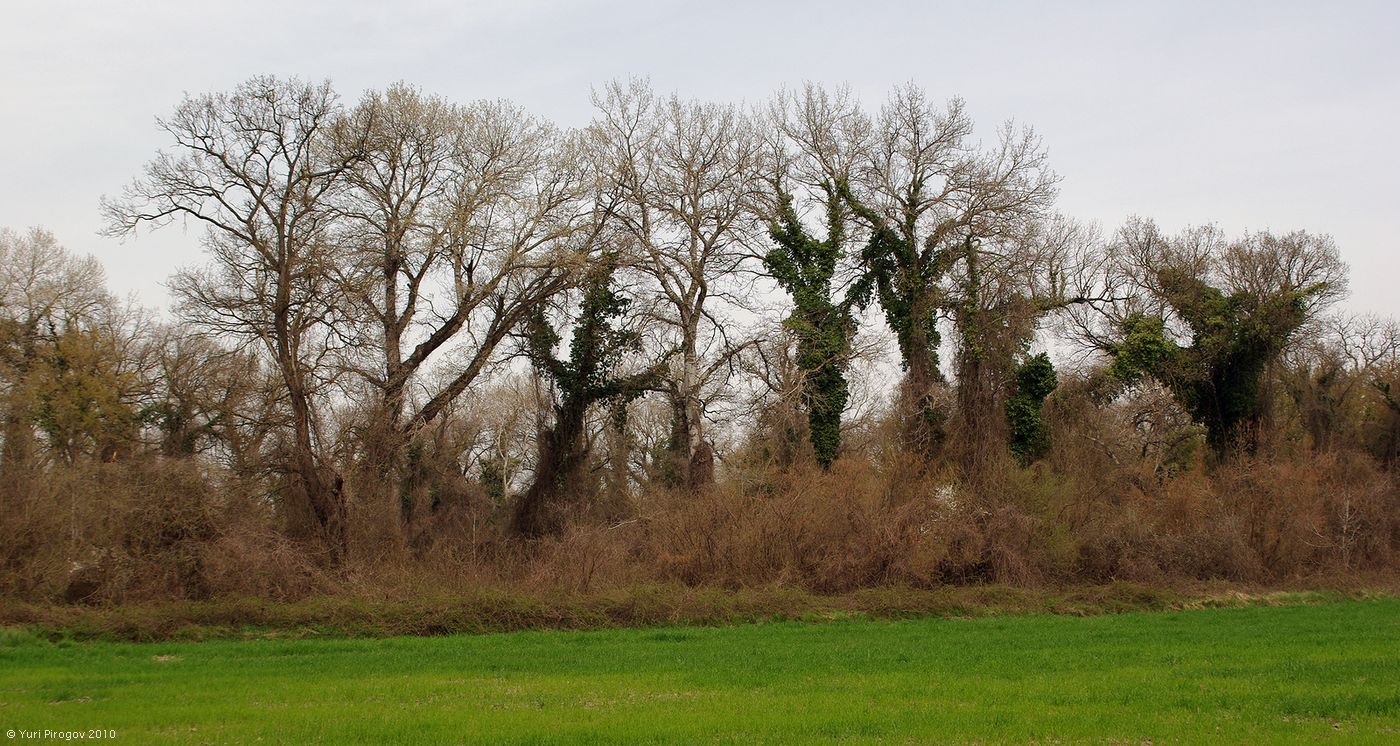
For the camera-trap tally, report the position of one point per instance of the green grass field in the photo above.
(1329, 671)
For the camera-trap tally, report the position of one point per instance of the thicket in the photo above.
(441, 347)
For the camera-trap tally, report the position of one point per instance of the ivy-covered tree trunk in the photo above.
(1218, 378)
(1035, 380)
(825, 392)
(924, 424)
(688, 457)
(979, 378)
(905, 275)
(561, 489)
(806, 267)
(558, 488)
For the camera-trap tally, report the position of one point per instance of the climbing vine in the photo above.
(805, 267)
(1035, 379)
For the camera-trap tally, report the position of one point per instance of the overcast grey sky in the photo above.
(1252, 115)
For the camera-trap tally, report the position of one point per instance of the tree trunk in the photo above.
(689, 457)
(617, 500)
(318, 489)
(983, 436)
(923, 427)
(321, 489)
(554, 495)
(981, 447)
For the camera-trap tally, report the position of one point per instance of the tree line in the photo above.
(407, 305)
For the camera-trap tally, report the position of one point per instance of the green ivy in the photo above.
(1035, 379)
(904, 277)
(805, 267)
(1235, 336)
(588, 376)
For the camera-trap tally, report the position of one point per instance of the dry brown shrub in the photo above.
(36, 520)
(148, 529)
(1317, 512)
(159, 529)
(822, 531)
(1253, 519)
(584, 559)
(852, 528)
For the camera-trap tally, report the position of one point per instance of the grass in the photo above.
(485, 610)
(1322, 670)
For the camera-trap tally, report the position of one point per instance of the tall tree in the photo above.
(812, 139)
(457, 221)
(256, 168)
(999, 291)
(1212, 315)
(927, 194)
(806, 268)
(687, 176)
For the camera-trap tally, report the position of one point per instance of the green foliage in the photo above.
(79, 389)
(805, 267)
(589, 375)
(1144, 348)
(1234, 338)
(597, 348)
(493, 478)
(904, 277)
(903, 285)
(1035, 379)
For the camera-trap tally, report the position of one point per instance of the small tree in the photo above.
(83, 396)
(46, 295)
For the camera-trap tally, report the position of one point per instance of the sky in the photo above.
(1251, 115)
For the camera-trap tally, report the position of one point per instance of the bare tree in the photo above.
(928, 194)
(256, 167)
(686, 173)
(1327, 372)
(458, 222)
(213, 400)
